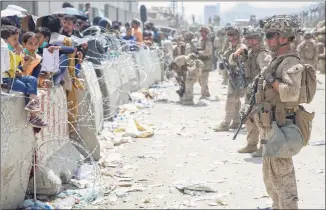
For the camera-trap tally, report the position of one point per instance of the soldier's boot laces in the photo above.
(258, 153)
(248, 149)
(222, 127)
(234, 125)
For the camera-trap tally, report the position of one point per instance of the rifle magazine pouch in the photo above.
(303, 120)
(283, 142)
(280, 114)
(265, 115)
(303, 98)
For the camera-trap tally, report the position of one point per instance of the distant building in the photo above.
(242, 22)
(209, 12)
(218, 9)
(115, 10)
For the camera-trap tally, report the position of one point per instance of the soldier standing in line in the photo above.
(188, 67)
(307, 50)
(280, 96)
(190, 46)
(297, 40)
(226, 45)
(219, 43)
(258, 60)
(321, 50)
(233, 103)
(205, 52)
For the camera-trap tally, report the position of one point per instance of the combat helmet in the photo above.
(204, 28)
(285, 25)
(234, 30)
(254, 33)
(307, 35)
(220, 32)
(189, 36)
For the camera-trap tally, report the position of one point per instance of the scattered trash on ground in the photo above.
(30, 204)
(317, 143)
(138, 130)
(81, 184)
(192, 187)
(203, 102)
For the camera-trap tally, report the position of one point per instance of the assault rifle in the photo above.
(225, 65)
(248, 110)
(181, 78)
(242, 71)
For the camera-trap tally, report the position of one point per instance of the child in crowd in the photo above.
(31, 64)
(44, 36)
(16, 79)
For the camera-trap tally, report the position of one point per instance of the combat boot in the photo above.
(248, 149)
(258, 153)
(222, 127)
(234, 125)
(188, 102)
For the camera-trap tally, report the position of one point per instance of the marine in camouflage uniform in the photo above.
(321, 50)
(307, 50)
(221, 44)
(279, 89)
(189, 67)
(258, 60)
(205, 51)
(233, 103)
(297, 40)
(190, 46)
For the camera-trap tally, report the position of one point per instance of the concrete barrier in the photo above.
(57, 158)
(17, 143)
(90, 113)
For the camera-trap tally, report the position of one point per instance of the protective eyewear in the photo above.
(270, 35)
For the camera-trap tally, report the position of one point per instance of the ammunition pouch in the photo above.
(303, 120)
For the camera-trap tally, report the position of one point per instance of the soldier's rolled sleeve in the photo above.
(233, 62)
(289, 87)
(263, 60)
(208, 49)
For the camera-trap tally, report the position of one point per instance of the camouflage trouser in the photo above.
(189, 89)
(203, 81)
(280, 182)
(252, 132)
(321, 66)
(233, 105)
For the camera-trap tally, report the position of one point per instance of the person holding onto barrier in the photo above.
(15, 80)
(44, 35)
(136, 30)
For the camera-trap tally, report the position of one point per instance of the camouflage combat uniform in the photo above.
(296, 42)
(221, 44)
(233, 103)
(205, 54)
(190, 46)
(321, 51)
(258, 60)
(307, 50)
(189, 66)
(278, 173)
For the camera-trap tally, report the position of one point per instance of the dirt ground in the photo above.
(184, 147)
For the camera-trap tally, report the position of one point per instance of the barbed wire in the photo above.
(125, 68)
